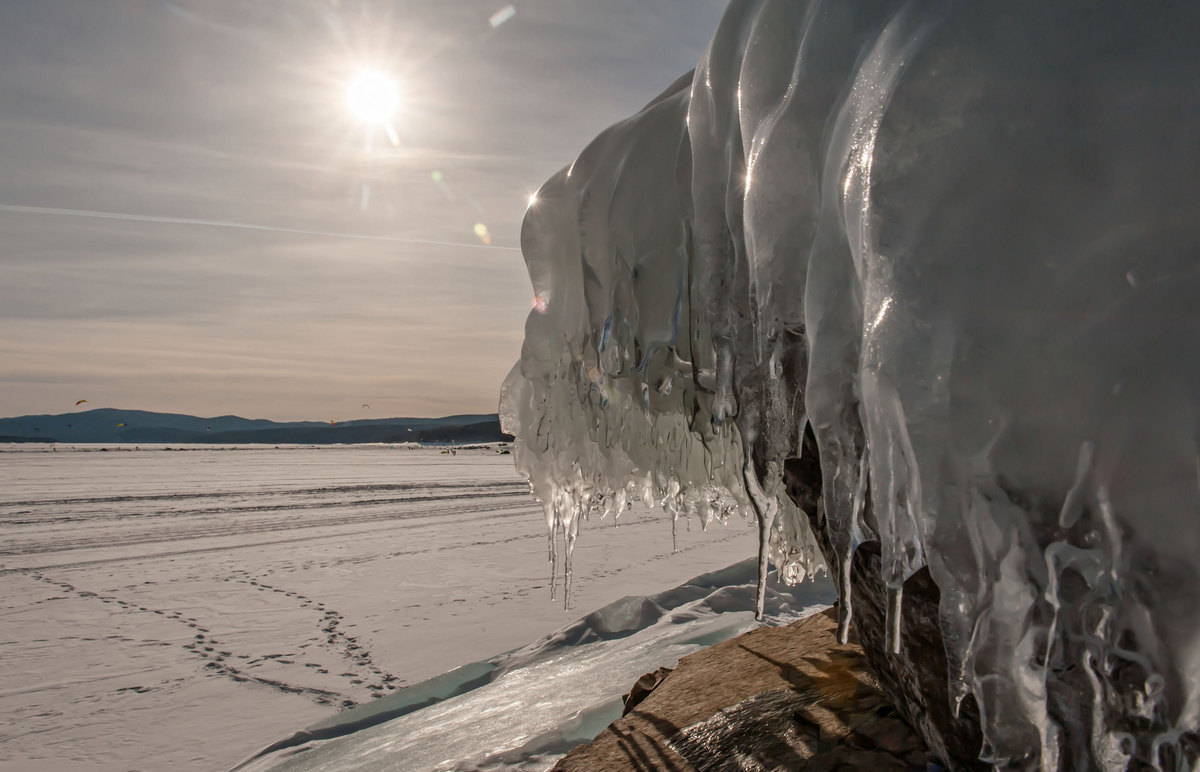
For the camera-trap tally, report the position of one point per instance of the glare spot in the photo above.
(373, 96)
(883, 309)
(481, 231)
(533, 199)
(501, 16)
(541, 301)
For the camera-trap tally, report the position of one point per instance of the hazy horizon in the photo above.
(196, 223)
(366, 415)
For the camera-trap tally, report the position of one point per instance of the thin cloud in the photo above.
(57, 212)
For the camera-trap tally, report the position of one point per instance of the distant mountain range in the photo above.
(113, 425)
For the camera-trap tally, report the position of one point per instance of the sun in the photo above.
(373, 97)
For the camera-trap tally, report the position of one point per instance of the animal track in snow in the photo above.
(202, 645)
(346, 645)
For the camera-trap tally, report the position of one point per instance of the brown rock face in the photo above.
(775, 698)
(916, 679)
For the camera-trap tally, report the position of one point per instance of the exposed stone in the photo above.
(642, 687)
(916, 679)
(776, 698)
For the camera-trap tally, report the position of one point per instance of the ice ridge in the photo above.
(951, 250)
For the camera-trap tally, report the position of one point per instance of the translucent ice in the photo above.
(957, 243)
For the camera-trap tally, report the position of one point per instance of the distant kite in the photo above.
(120, 425)
(80, 402)
(368, 407)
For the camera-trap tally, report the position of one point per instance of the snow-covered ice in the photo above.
(184, 608)
(524, 709)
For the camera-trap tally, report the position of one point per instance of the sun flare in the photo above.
(373, 97)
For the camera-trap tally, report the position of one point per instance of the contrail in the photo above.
(55, 211)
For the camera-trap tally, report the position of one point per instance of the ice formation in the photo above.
(956, 243)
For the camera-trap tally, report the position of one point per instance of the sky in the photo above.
(194, 220)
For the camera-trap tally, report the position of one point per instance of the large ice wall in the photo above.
(958, 246)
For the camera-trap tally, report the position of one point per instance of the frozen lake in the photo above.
(183, 608)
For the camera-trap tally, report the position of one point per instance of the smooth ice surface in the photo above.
(957, 242)
(526, 708)
(181, 609)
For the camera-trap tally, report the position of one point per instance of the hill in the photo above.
(116, 425)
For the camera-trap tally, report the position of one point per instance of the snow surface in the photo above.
(957, 242)
(525, 709)
(181, 609)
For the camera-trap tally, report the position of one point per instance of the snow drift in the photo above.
(954, 246)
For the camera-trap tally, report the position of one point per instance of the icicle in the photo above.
(765, 520)
(553, 559)
(845, 601)
(570, 532)
(895, 596)
(550, 506)
(765, 509)
(845, 560)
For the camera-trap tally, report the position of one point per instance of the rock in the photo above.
(642, 688)
(915, 680)
(773, 698)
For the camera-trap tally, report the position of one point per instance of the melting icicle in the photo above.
(845, 600)
(552, 534)
(894, 611)
(845, 559)
(765, 508)
(569, 536)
